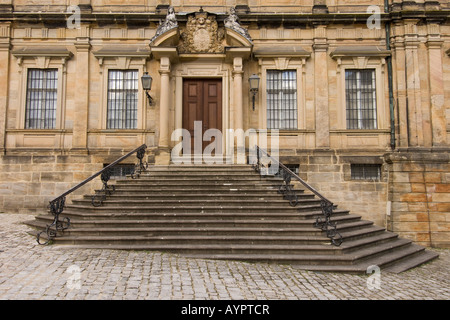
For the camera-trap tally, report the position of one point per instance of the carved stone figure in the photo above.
(169, 23)
(201, 35)
(232, 22)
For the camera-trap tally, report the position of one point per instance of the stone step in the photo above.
(173, 202)
(198, 183)
(229, 212)
(211, 197)
(393, 261)
(199, 189)
(216, 244)
(306, 260)
(272, 192)
(206, 177)
(197, 220)
(200, 173)
(102, 213)
(194, 207)
(123, 233)
(193, 221)
(413, 260)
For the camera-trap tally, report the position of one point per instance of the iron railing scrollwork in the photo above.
(56, 206)
(324, 222)
(141, 165)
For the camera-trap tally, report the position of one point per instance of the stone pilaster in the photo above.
(413, 94)
(321, 87)
(80, 126)
(5, 46)
(434, 44)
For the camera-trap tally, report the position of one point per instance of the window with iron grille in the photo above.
(122, 99)
(360, 97)
(281, 99)
(120, 171)
(365, 171)
(41, 99)
(295, 168)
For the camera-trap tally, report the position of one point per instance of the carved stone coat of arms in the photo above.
(201, 35)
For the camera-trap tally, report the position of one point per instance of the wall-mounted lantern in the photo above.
(146, 81)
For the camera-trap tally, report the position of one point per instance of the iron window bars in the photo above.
(365, 172)
(41, 99)
(281, 99)
(122, 99)
(361, 100)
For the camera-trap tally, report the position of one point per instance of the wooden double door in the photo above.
(202, 101)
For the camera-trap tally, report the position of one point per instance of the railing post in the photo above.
(56, 206)
(288, 192)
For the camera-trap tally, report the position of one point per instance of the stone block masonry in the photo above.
(419, 193)
(28, 183)
(329, 172)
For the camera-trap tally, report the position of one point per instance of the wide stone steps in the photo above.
(210, 208)
(228, 212)
(196, 221)
(211, 230)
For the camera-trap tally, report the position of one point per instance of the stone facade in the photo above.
(318, 39)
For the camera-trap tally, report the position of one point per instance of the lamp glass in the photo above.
(254, 82)
(146, 80)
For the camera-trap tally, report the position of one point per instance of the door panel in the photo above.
(202, 101)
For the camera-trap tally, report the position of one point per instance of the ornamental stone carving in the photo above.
(201, 35)
(232, 22)
(169, 23)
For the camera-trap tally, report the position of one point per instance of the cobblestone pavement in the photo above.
(29, 271)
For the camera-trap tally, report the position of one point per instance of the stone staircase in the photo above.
(229, 212)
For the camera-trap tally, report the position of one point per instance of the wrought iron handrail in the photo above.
(324, 223)
(56, 205)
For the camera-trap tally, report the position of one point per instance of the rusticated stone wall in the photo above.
(29, 182)
(419, 192)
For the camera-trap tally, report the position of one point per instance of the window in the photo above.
(122, 99)
(360, 97)
(120, 171)
(295, 168)
(41, 99)
(281, 99)
(366, 171)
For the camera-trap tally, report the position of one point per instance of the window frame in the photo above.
(339, 123)
(282, 62)
(122, 122)
(114, 61)
(364, 168)
(42, 58)
(280, 90)
(31, 101)
(360, 119)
